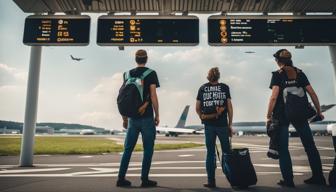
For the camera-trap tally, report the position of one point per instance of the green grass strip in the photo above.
(76, 145)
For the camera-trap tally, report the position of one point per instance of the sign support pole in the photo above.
(29, 125)
(332, 50)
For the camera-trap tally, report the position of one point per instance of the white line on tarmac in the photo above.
(32, 170)
(85, 157)
(187, 155)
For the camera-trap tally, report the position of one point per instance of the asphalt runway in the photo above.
(175, 170)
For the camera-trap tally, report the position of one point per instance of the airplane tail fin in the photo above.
(183, 118)
(325, 108)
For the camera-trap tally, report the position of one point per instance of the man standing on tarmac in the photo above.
(284, 81)
(144, 123)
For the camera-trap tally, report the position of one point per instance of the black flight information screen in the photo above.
(271, 30)
(56, 30)
(148, 30)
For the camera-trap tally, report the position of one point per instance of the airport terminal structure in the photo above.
(233, 23)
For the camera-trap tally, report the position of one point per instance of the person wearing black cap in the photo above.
(289, 80)
(144, 123)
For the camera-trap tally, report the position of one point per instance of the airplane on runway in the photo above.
(76, 59)
(180, 126)
(241, 128)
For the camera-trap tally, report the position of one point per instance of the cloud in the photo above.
(99, 105)
(11, 76)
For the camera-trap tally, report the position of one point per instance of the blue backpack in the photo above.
(130, 97)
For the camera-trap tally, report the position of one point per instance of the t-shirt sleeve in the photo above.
(199, 94)
(153, 79)
(304, 80)
(275, 81)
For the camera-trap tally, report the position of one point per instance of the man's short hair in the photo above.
(141, 56)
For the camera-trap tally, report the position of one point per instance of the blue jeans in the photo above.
(211, 132)
(146, 127)
(307, 140)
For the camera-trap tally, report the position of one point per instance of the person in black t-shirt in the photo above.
(145, 124)
(288, 74)
(214, 107)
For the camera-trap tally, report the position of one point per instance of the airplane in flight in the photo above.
(76, 59)
(250, 52)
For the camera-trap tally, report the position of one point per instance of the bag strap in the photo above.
(127, 75)
(145, 74)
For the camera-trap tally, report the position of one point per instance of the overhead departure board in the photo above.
(57, 30)
(148, 30)
(271, 30)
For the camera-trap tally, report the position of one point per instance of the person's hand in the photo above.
(268, 119)
(157, 120)
(125, 123)
(220, 110)
(230, 131)
(142, 109)
(321, 115)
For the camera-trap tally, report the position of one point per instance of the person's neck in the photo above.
(140, 65)
(214, 83)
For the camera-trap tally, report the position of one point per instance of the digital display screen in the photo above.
(57, 30)
(148, 30)
(271, 30)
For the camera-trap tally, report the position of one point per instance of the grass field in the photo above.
(10, 145)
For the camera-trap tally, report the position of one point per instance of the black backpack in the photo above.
(297, 106)
(130, 97)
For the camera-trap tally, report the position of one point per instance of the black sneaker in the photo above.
(148, 183)
(123, 183)
(273, 154)
(315, 181)
(286, 183)
(210, 185)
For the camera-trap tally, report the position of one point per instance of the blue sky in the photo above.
(85, 92)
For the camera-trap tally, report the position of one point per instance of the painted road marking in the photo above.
(187, 155)
(32, 170)
(85, 157)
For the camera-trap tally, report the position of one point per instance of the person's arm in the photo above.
(198, 108)
(125, 121)
(230, 115)
(272, 101)
(155, 103)
(315, 100)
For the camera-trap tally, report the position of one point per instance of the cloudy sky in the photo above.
(85, 92)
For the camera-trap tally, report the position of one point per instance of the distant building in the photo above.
(44, 130)
(4, 130)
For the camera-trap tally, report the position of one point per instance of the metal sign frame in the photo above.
(275, 17)
(147, 17)
(60, 17)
